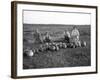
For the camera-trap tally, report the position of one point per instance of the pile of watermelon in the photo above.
(54, 46)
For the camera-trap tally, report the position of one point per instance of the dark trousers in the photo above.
(67, 39)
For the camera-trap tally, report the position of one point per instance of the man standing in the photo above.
(37, 36)
(75, 35)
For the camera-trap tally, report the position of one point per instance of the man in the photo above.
(37, 36)
(66, 36)
(47, 37)
(75, 35)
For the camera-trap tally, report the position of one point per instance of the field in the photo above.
(69, 57)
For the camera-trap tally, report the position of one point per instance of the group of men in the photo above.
(72, 36)
(68, 37)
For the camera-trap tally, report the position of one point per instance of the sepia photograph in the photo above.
(53, 39)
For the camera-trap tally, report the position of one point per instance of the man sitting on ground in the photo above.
(47, 37)
(66, 36)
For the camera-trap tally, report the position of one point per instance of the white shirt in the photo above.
(75, 33)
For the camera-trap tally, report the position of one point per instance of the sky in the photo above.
(45, 17)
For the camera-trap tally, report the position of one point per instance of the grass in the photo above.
(69, 57)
